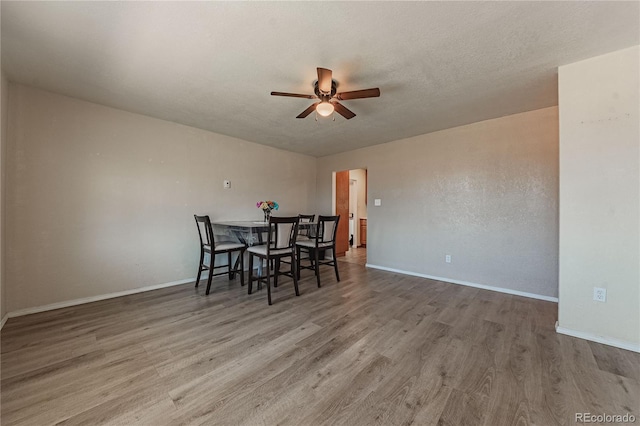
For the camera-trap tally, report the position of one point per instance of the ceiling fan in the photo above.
(325, 91)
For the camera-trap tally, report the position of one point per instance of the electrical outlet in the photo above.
(377, 202)
(447, 258)
(599, 294)
(226, 184)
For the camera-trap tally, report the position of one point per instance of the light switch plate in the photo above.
(377, 202)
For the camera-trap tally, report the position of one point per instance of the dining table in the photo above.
(248, 232)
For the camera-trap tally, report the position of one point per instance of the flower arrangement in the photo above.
(266, 207)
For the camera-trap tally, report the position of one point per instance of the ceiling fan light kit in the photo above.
(325, 109)
(325, 91)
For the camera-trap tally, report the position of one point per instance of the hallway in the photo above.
(355, 255)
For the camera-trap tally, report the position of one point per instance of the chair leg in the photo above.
(317, 266)
(241, 254)
(211, 263)
(250, 272)
(294, 275)
(269, 281)
(275, 273)
(335, 263)
(314, 260)
(298, 254)
(200, 267)
(229, 267)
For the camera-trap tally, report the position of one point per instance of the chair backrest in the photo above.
(205, 231)
(326, 229)
(306, 231)
(282, 232)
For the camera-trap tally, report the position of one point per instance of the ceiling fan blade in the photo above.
(293, 95)
(343, 111)
(324, 80)
(308, 111)
(359, 94)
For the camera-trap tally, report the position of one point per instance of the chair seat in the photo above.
(228, 245)
(312, 244)
(262, 250)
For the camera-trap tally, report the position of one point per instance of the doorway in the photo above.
(351, 203)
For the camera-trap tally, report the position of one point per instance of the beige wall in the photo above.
(4, 95)
(599, 196)
(100, 200)
(486, 193)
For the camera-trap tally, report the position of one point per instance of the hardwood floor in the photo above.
(376, 348)
(355, 255)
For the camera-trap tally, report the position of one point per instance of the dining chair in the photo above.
(281, 239)
(304, 232)
(305, 229)
(323, 240)
(209, 245)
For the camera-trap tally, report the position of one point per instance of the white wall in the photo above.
(100, 200)
(600, 196)
(4, 95)
(360, 211)
(486, 193)
(360, 175)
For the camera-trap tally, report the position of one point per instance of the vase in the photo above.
(267, 215)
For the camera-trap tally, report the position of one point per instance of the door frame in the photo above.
(366, 193)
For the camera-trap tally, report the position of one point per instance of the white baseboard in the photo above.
(467, 283)
(622, 344)
(4, 319)
(75, 302)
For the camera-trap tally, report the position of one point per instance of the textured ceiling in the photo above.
(212, 65)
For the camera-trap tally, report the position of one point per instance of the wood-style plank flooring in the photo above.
(355, 255)
(376, 348)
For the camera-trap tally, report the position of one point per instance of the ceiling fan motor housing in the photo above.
(325, 96)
